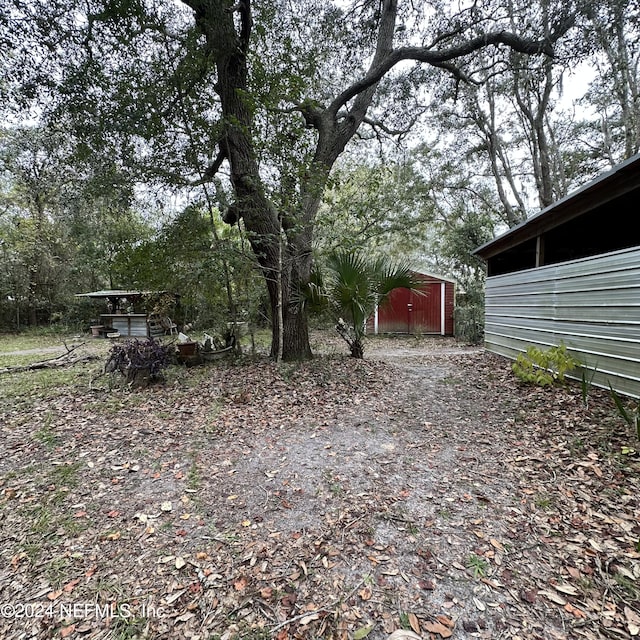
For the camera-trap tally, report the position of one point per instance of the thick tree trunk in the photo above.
(295, 341)
(227, 44)
(286, 273)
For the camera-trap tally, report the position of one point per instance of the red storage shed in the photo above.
(426, 311)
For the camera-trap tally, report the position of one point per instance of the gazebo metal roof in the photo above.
(120, 293)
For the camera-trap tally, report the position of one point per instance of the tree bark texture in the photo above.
(227, 45)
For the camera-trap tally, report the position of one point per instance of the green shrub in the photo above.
(469, 323)
(544, 367)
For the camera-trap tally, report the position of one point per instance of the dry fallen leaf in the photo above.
(578, 613)
(240, 584)
(404, 634)
(366, 593)
(633, 621)
(440, 629)
(165, 559)
(554, 597)
(496, 544)
(68, 588)
(446, 620)
(566, 588)
(310, 618)
(573, 572)
(413, 621)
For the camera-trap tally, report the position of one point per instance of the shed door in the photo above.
(425, 313)
(410, 312)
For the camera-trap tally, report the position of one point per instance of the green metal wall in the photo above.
(591, 304)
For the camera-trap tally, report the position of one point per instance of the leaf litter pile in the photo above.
(423, 488)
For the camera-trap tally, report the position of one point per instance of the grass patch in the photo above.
(33, 340)
(46, 435)
(478, 566)
(41, 521)
(630, 587)
(194, 479)
(544, 502)
(66, 475)
(57, 571)
(32, 550)
(73, 527)
(28, 387)
(127, 627)
(117, 401)
(24, 360)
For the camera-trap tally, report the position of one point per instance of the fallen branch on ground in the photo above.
(64, 360)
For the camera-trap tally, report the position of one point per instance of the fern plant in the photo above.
(544, 367)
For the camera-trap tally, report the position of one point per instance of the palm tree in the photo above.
(355, 284)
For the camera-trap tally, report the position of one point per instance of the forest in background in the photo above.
(115, 169)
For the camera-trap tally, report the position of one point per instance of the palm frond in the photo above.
(358, 282)
(313, 294)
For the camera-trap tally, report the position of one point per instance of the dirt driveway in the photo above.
(422, 488)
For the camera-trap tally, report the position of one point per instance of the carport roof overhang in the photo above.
(622, 179)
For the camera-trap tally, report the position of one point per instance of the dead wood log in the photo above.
(64, 360)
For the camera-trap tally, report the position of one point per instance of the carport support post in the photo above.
(539, 251)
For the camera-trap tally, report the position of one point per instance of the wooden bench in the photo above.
(155, 326)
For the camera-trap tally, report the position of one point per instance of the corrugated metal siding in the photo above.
(591, 304)
(427, 309)
(126, 326)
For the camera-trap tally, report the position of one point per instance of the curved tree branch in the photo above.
(210, 172)
(442, 57)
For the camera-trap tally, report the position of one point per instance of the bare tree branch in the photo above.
(210, 172)
(444, 56)
(377, 126)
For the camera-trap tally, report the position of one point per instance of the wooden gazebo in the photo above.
(124, 313)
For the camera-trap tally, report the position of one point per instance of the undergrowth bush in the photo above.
(544, 367)
(469, 323)
(139, 361)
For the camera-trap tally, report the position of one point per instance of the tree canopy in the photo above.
(247, 107)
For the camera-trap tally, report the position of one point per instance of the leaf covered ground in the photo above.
(423, 488)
